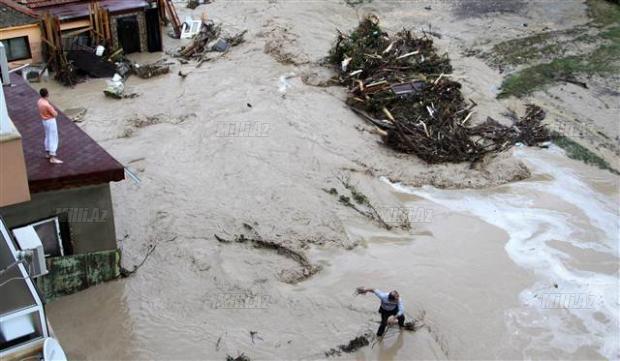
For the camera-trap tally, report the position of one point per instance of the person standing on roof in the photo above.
(48, 116)
(391, 308)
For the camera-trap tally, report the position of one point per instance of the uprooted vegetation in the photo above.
(288, 276)
(352, 346)
(210, 38)
(365, 340)
(241, 357)
(400, 84)
(360, 203)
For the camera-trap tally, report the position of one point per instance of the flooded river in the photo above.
(528, 270)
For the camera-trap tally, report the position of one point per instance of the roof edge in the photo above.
(70, 182)
(22, 9)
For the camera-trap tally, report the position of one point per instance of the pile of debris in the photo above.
(115, 87)
(209, 38)
(399, 83)
(146, 71)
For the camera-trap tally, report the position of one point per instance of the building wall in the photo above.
(141, 25)
(13, 179)
(87, 211)
(33, 32)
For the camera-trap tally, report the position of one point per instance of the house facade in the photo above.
(134, 24)
(20, 33)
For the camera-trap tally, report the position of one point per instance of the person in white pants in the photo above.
(48, 116)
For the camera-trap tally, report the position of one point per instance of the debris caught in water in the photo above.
(401, 84)
(241, 357)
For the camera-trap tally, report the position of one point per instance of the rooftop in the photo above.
(75, 9)
(13, 14)
(86, 162)
(42, 3)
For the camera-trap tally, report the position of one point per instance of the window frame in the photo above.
(56, 221)
(7, 48)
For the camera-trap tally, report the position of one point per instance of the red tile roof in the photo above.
(86, 162)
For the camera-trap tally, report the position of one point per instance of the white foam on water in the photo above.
(568, 311)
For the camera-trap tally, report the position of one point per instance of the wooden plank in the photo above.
(78, 31)
(106, 27)
(49, 43)
(91, 20)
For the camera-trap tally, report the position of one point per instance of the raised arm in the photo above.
(364, 290)
(380, 294)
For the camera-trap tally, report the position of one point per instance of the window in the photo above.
(48, 231)
(17, 48)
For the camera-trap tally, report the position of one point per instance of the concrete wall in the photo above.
(33, 32)
(87, 212)
(141, 25)
(13, 180)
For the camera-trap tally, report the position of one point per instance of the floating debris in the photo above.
(146, 71)
(353, 345)
(241, 357)
(401, 85)
(307, 268)
(209, 39)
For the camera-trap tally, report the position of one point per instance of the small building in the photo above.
(20, 33)
(134, 24)
(68, 206)
(24, 329)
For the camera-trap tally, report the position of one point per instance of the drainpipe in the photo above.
(4, 65)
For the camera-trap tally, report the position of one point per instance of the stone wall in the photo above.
(141, 26)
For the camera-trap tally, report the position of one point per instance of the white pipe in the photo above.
(4, 64)
(19, 68)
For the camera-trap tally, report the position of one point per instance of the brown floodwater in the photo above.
(527, 270)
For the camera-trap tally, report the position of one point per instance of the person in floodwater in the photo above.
(391, 308)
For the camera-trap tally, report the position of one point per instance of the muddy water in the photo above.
(525, 270)
(562, 229)
(481, 271)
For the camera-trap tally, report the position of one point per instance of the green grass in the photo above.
(604, 12)
(538, 76)
(602, 61)
(523, 50)
(576, 151)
